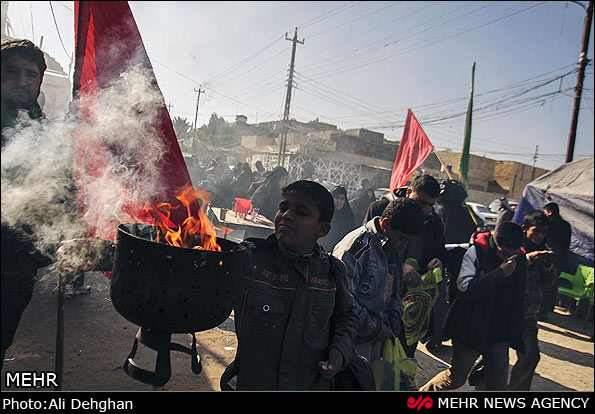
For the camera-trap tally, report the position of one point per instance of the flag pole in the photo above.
(464, 160)
(443, 165)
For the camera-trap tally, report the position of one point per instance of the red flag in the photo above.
(126, 150)
(413, 150)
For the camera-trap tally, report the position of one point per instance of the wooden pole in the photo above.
(59, 361)
(578, 90)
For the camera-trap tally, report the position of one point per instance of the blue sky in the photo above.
(363, 64)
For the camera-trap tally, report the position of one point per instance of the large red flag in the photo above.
(413, 150)
(126, 151)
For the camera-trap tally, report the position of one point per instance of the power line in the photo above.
(58, 30)
(359, 36)
(513, 91)
(362, 49)
(354, 20)
(243, 62)
(329, 14)
(422, 44)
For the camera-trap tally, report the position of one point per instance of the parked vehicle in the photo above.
(484, 213)
(381, 193)
(494, 204)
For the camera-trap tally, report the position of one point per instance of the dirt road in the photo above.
(97, 341)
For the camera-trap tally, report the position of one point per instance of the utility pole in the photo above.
(283, 140)
(169, 107)
(578, 90)
(534, 160)
(197, 101)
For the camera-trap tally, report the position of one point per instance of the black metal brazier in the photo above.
(173, 289)
(166, 289)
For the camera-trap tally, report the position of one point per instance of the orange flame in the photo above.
(196, 231)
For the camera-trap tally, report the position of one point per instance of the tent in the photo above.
(571, 187)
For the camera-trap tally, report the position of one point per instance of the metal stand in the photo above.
(59, 361)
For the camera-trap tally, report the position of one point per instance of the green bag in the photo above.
(417, 306)
(394, 371)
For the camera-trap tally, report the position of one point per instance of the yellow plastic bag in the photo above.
(384, 369)
(407, 368)
(394, 371)
(417, 306)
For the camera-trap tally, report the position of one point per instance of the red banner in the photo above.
(413, 150)
(126, 150)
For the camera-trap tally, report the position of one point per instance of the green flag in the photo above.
(464, 164)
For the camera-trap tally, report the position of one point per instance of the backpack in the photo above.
(455, 260)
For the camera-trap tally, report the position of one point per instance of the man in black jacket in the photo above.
(558, 239)
(23, 66)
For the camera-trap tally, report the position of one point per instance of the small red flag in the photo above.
(126, 150)
(413, 150)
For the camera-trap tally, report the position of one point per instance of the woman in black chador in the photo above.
(343, 219)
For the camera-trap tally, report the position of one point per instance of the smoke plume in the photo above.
(123, 153)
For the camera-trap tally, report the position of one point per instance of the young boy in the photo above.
(373, 254)
(294, 316)
(541, 273)
(486, 318)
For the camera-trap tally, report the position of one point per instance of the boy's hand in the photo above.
(543, 256)
(509, 266)
(411, 277)
(329, 368)
(434, 263)
(384, 333)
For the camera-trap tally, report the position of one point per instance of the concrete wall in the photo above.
(512, 176)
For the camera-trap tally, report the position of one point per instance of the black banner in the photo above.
(418, 402)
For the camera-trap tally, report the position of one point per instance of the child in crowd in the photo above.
(486, 318)
(294, 315)
(541, 273)
(373, 254)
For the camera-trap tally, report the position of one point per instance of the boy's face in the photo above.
(297, 223)
(536, 234)
(396, 238)
(504, 253)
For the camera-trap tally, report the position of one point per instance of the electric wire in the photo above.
(354, 20)
(425, 43)
(363, 49)
(329, 14)
(58, 30)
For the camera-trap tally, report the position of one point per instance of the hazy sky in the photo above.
(363, 64)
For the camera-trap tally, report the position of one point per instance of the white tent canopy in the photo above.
(571, 187)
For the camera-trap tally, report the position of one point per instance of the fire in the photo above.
(196, 230)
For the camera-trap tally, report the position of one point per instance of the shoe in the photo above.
(69, 291)
(82, 290)
(72, 292)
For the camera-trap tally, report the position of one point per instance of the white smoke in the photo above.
(38, 164)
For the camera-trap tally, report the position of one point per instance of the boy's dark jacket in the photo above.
(287, 320)
(538, 277)
(491, 310)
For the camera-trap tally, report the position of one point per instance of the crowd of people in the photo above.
(325, 290)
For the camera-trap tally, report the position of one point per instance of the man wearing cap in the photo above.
(23, 66)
